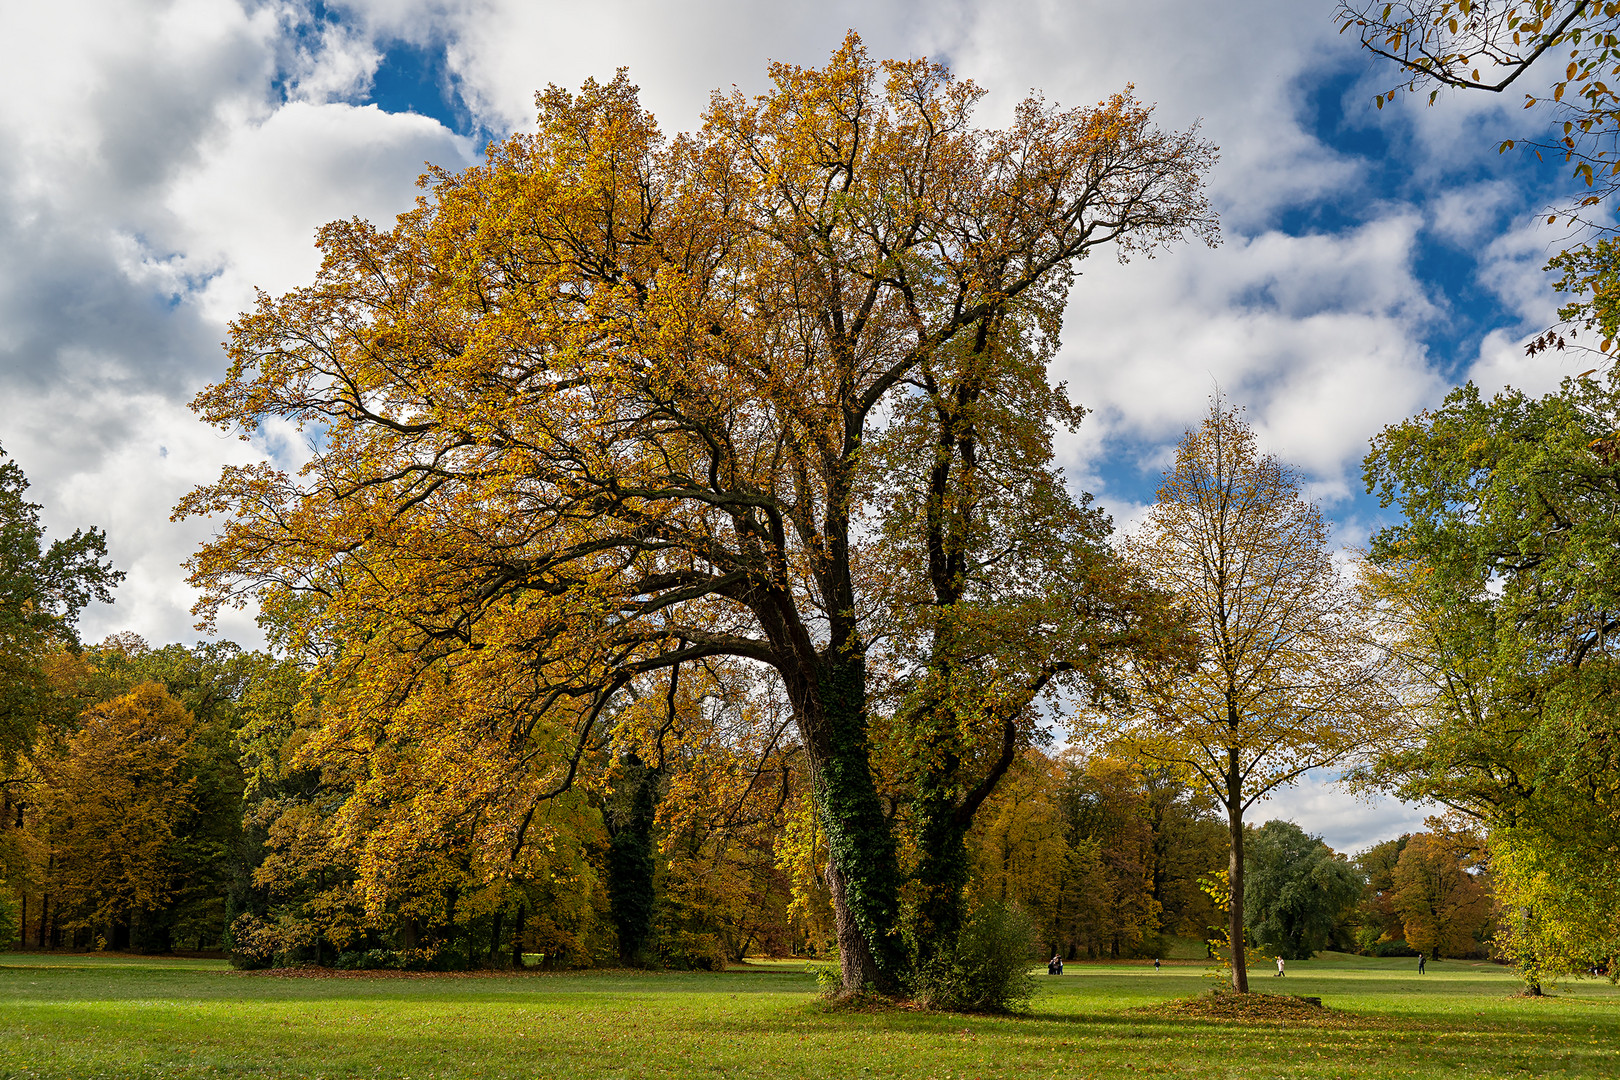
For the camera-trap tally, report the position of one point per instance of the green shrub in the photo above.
(988, 970)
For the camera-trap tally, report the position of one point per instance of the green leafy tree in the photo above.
(1503, 583)
(43, 589)
(1296, 890)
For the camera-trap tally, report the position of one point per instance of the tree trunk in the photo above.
(942, 868)
(863, 866)
(1234, 879)
(517, 937)
(856, 965)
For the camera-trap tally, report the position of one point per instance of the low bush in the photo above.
(989, 969)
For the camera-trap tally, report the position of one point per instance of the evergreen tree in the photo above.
(630, 864)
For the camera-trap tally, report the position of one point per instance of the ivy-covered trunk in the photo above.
(942, 870)
(862, 867)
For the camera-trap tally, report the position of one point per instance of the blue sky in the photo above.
(159, 161)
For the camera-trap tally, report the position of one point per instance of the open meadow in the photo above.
(95, 1016)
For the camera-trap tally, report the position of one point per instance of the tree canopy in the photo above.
(1490, 44)
(612, 402)
(1502, 579)
(1295, 890)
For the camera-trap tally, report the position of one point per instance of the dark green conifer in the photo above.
(630, 863)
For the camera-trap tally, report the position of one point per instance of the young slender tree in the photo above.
(605, 404)
(1287, 677)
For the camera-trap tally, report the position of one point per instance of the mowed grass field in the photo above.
(94, 1016)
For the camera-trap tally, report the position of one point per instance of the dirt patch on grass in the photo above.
(1284, 1009)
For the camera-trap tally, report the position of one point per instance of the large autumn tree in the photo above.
(120, 807)
(1444, 906)
(1287, 676)
(611, 402)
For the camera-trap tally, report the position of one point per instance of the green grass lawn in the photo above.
(84, 1017)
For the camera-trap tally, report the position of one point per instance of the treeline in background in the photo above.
(170, 800)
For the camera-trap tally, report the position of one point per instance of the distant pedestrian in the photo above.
(1155, 963)
(1280, 970)
(1421, 961)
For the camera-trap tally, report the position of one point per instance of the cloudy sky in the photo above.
(159, 161)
